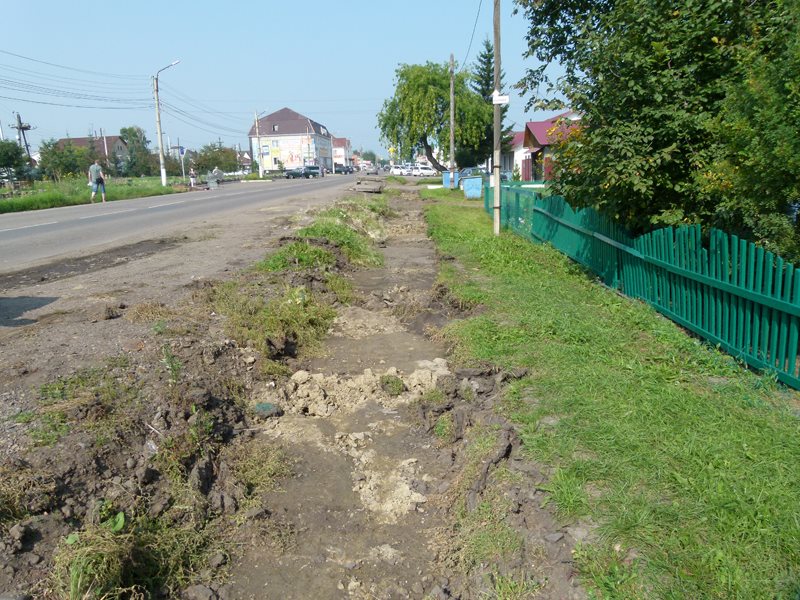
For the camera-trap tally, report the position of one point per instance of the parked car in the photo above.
(371, 170)
(396, 170)
(307, 172)
(340, 169)
(424, 171)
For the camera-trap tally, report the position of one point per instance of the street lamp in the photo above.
(158, 123)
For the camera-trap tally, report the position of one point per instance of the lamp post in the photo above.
(158, 123)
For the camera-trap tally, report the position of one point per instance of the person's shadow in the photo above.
(11, 308)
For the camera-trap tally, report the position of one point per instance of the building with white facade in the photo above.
(342, 152)
(288, 139)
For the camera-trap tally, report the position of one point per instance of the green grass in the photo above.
(442, 194)
(69, 192)
(297, 256)
(669, 446)
(392, 385)
(396, 180)
(294, 313)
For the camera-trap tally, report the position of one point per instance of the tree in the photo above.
(12, 159)
(756, 170)
(418, 115)
(140, 159)
(482, 83)
(213, 156)
(61, 161)
(647, 78)
(370, 156)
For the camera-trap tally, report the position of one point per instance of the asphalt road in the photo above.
(31, 238)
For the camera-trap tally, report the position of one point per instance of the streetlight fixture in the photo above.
(158, 123)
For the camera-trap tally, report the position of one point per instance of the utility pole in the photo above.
(21, 137)
(257, 148)
(105, 144)
(452, 123)
(497, 119)
(158, 124)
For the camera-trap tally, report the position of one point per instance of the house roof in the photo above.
(341, 142)
(99, 145)
(288, 122)
(517, 138)
(538, 133)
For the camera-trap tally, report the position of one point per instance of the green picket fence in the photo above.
(728, 291)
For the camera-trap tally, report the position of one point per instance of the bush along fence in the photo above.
(728, 291)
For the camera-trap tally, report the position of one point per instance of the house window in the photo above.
(274, 128)
(275, 143)
(275, 161)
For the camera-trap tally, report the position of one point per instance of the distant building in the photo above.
(538, 138)
(342, 152)
(106, 147)
(287, 138)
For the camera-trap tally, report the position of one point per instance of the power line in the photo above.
(42, 62)
(73, 105)
(474, 26)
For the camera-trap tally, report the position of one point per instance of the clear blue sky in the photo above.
(331, 61)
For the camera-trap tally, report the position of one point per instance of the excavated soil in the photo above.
(372, 505)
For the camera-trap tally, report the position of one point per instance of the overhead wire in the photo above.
(472, 37)
(43, 62)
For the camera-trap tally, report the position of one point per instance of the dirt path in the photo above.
(405, 482)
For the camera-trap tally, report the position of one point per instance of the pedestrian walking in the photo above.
(97, 180)
(192, 177)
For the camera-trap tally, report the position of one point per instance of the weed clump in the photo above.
(392, 385)
(297, 256)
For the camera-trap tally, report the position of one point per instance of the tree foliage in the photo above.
(756, 170)
(213, 156)
(418, 115)
(61, 161)
(688, 109)
(12, 159)
(140, 160)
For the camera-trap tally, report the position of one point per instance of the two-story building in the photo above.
(342, 152)
(288, 139)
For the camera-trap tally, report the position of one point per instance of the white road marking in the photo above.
(167, 204)
(116, 212)
(29, 226)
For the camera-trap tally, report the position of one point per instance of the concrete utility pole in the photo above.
(161, 161)
(452, 123)
(497, 119)
(257, 148)
(21, 137)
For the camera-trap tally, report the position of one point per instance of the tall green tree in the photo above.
(213, 156)
(12, 159)
(756, 168)
(418, 115)
(140, 159)
(61, 161)
(648, 78)
(482, 83)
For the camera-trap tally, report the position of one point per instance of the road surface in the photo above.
(31, 238)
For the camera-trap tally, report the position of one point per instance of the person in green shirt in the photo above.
(97, 180)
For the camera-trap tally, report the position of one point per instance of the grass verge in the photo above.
(75, 191)
(686, 462)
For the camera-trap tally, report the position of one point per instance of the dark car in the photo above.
(303, 172)
(340, 169)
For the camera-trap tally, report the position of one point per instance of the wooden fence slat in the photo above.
(758, 285)
(783, 335)
(794, 330)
